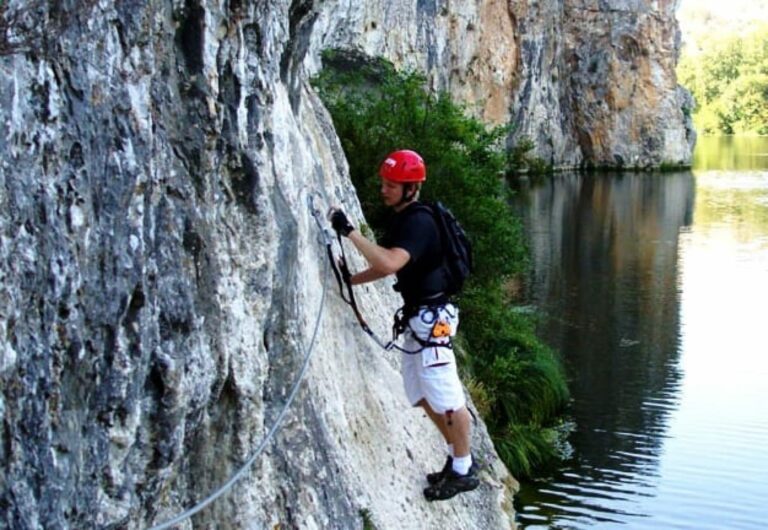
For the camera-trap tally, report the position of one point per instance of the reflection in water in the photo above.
(658, 304)
(605, 253)
(734, 203)
(731, 152)
(715, 466)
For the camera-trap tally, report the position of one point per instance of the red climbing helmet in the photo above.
(404, 166)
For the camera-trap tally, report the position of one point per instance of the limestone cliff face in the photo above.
(591, 82)
(160, 277)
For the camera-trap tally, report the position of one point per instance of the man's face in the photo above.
(391, 192)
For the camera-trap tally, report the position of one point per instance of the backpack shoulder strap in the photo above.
(425, 206)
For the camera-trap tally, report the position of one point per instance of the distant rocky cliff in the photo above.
(591, 82)
(599, 86)
(160, 273)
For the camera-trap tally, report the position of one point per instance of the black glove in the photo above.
(340, 223)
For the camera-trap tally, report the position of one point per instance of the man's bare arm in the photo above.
(368, 275)
(384, 260)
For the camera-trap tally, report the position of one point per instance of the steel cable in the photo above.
(275, 427)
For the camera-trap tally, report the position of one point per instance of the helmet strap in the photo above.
(409, 193)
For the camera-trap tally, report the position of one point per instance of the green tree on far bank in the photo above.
(728, 77)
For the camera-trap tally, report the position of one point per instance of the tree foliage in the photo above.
(376, 110)
(728, 77)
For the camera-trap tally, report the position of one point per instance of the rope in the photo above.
(275, 427)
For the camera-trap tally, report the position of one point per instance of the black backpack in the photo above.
(457, 249)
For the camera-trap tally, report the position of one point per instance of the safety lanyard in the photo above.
(343, 279)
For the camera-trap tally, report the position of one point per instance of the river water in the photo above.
(654, 290)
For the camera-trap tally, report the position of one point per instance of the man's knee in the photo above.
(447, 414)
(423, 403)
(460, 415)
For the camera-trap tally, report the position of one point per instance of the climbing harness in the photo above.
(275, 427)
(440, 330)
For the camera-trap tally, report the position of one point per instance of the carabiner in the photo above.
(317, 213)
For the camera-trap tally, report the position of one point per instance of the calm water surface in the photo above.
(654, 289)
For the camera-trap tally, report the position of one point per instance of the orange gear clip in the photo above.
(441, 329)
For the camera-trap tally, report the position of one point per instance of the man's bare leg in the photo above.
(438, 420)
(459, 431)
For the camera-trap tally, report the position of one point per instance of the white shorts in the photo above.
(431, 374)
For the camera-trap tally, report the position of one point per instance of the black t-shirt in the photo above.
(415, 231)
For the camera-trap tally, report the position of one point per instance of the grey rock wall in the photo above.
(160, 276)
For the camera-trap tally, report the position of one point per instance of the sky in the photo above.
(725, 16)
(731, 10)
(726, 9)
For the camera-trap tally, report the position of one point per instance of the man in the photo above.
(411, 249)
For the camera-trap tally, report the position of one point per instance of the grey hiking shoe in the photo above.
(434, 478)
(451, 484)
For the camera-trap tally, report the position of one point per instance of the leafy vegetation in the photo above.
(522, 159)
(517, 382)
(728, 77)
(368, 524)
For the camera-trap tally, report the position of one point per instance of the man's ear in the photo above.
(410, 190)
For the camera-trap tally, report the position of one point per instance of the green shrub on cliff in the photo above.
(376, 110)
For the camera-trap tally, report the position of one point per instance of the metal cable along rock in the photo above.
(275, 427)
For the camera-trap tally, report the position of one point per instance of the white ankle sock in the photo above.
(461, 464)
(450, 449)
